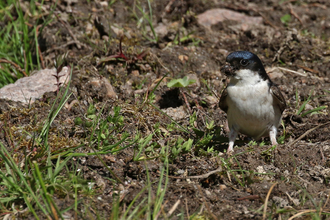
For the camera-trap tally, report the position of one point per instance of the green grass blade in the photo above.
(30, 207)
(54, 112)
(9, 160)
(59, 166)
(132, 203)
(314, 110)
(136, 209)
(302, 107)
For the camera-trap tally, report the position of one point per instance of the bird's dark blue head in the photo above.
(239, 60)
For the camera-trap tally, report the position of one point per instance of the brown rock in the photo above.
(104, 82)
(110, 91)
(176, 113)
(214, 16)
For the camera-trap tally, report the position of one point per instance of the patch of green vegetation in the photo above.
(146, 20)
(32, 182)
(19, 46)
(180, 83)
(316, 209)
(254, 143)
(45, 171)
(316, 110)
(181, 147)
(268, 154)
(281, 139)
(285, 19)
(306, 33)
(204, 138)
(150, 207)
(241, 176)
(190, 37)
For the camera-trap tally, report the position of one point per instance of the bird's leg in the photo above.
(232, 137)
(272, 135)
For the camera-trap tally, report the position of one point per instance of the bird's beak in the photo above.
(227, 69)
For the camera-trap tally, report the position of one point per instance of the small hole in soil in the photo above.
(170, 99)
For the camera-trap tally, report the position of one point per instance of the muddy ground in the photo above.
(293, 35)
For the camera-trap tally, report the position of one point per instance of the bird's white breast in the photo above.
(251, 108)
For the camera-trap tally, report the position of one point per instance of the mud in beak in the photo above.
(228, 70)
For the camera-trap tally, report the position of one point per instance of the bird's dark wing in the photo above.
(275, 91)
(223, 103)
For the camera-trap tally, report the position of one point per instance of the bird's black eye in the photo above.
(244, 62)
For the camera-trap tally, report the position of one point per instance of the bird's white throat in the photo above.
(245, 77)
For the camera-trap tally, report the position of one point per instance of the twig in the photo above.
(174, 207)
(206, 204)
(64, 45)
(40, 54)
(167, 8)
(291, 71)
(69, 106)
(266, 201)
(308, 69)
(3, 60)
(300, 213)
(167, 69)
(125, 192)
(198, 176)
(215, 94)
(292, 200)
(326, 202)
(251, 197)
(295, 14)
(306, 133)
(186, 101)
(267, 21)
(65, 24)
(187, 209)
(315, 5)
(147, 94)
(305, 181)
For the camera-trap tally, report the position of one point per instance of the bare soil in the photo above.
(300, 166)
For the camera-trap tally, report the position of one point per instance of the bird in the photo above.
(253, 103)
